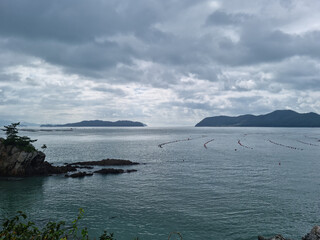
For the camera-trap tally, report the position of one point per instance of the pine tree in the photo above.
(24, 142)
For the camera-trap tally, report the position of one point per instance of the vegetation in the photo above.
(24, 143)
(18, 228)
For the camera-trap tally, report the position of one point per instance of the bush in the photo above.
(18, 228)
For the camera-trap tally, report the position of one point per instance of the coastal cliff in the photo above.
(18, 162)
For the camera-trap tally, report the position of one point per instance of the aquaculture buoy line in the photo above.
(311, 144)
(315, 138)
(179, 140)
(205, 144)
(282, 145)
(244, 145)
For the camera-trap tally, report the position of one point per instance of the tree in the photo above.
(11, 132)
(24, 143)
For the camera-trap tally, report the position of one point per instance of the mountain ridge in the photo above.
(98, 123)
(277, 118)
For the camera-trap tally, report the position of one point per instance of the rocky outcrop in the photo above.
(313, 235)
(110, 171)
(78, 174)
(15, 162)
(276, 237)
(105, 162)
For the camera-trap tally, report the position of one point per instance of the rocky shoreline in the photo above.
(314, 234)
(15, 162)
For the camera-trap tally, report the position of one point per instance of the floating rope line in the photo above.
(244, 145)
(282, 145)
(315, 138)
(308, 143)
(179, 140)
(205, 145)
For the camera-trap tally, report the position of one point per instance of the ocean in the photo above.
(205, 183)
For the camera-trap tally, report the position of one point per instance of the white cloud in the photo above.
(160, 62)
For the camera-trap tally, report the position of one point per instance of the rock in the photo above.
(15, 162)
(276, 237)
(86, 167)
(61, 169)
(105, 162)
(313, 235)
(79, 174)
(131, 170)
(110, 171)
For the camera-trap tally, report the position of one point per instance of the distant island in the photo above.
(98, 123)
(278, 118)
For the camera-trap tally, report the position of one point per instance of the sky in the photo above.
(164, 63)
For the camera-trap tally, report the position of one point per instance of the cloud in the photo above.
(160, 62)
(222, 18)
(75, 20)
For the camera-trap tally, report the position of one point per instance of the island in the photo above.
(98, 123)
(278, 118)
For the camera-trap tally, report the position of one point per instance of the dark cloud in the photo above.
(118, 92)
(265, 45)
(150, 58)
(74, 20)
(299, 73)
(222, 18)
(5, 77)
(90, 56)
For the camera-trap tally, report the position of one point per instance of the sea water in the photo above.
(243, 183)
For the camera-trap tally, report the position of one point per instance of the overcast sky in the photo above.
(168, 62)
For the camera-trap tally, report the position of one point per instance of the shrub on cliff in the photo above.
(18, 228)
(24, 143)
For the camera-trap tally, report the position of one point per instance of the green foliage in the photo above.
(24, 143)
(18, 228)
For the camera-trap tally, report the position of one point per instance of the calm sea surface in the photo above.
(266, 183)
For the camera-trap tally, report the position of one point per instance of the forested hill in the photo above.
(98, 123)
(279, 118)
